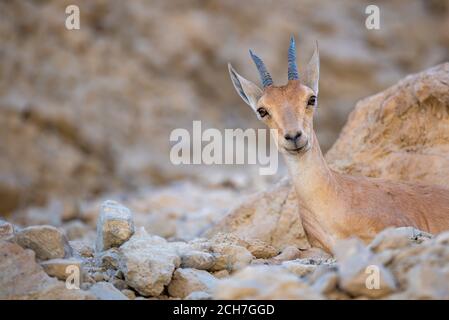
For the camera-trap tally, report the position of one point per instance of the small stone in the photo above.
(115, 226)
(98, 276)
(397, 238)
(289, 253)
(260, 250)
(129, 293)
(46, 241)
(298, 267)
(356, 263)
(326, 283)
(61, 268)
(75, 229)
(197, 260)
(221, 274)
(120, 284)
(199, 295)
(106, 291)
(109, 259)
(82, 248)
(6, 230)
(231, 257)
(186, 281)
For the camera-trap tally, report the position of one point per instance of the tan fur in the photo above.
(333, 205)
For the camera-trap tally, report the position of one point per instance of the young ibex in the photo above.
(333, 205)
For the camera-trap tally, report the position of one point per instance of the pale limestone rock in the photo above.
(396, 238)
(22, 278)
(197, 260)
(230, 257)
(288, 253)
(199, 295)
(265, 283)
(115, 225)
(186, 281)
(131, 295)
(106, 291)
(299, 267)
(6, 230)
(327, 283)
(82, 248)
(355, 263)
(46, 241)
(147, 263)
(58, 267)
(271, 217)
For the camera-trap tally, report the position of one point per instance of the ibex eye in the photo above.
(262, 112)
(312, 101)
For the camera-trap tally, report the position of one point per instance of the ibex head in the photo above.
(288, 108)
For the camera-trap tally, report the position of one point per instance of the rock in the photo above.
(109, 259)
(106, 291)
(6, 230)
(115, 225)
(230, 257)
(199, 295)
(396, 238)
(289, 253)
(264, 283)
(357, 266)
(75, 229)
(129, 294)
(271, 217)
(261, 250)
(221, 274)
(428, 282)
(197, 260)
(147, 263)
(22, 278)
(299, 267)
(58, 267)
(46, 241)
(82, 248)
(396, 134)
(186, 281)
(327, 283)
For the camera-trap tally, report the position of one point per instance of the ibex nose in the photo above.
(293, 136)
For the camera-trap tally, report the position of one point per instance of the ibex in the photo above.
(333, 205)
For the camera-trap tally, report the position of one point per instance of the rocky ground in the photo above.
(190, 242)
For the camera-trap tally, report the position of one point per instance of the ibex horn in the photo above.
(265, 77)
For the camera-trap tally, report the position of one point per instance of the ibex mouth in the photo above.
(300, 149)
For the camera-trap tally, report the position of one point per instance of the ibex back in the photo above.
(334, 205)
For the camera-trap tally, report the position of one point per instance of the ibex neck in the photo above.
(315, 183)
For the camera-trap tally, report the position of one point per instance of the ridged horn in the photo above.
(265, 76)
(292, 68)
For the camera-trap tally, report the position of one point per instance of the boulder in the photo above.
(115, 225)
(148, 263)
(360, 272)
(22, 278)
(187, 281)
(271, 216)
(397, 238)
(46, 241)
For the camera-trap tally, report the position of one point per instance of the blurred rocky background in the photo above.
(88, 112)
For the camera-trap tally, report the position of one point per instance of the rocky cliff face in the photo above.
(88, 111)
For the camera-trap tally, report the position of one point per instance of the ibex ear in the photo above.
(312, 74)
(248, 91)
